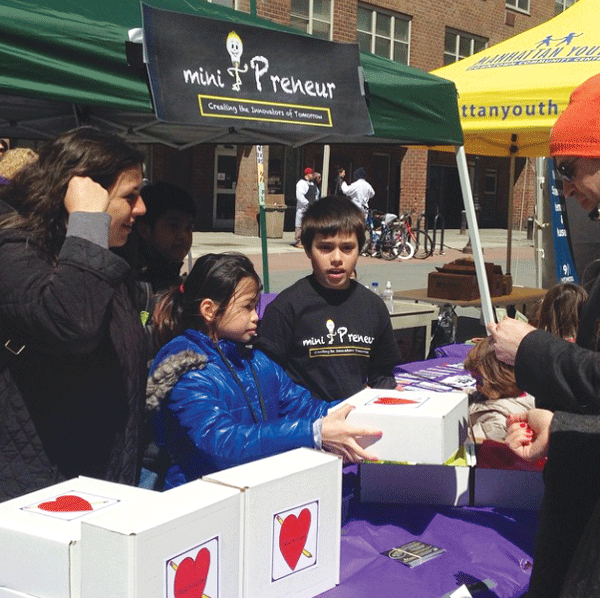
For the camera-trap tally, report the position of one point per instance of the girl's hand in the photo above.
(84, 195)
(508, 335)
(340, 438)
(529, 433)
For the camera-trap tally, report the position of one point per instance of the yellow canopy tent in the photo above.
(521, 85)
(510, 94)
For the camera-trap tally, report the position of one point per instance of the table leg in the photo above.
(427, 339)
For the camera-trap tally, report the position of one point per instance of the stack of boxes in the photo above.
(269, 528)
(427, 456)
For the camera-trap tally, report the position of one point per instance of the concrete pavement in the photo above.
(286, 264)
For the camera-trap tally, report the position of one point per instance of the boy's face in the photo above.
(171, 235)
(334, 259)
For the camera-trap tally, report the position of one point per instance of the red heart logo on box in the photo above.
(190, 577)
(67, 503)
(292, 539)
(393, 401)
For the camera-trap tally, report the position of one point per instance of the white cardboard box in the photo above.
(40, 548)
(292, 512)
(185, 542)
(418, 426)
(394, 483)
(508, 488)
(6, 593)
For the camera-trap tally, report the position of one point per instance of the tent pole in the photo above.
(325, 171)
(482, 281)
(260, 174)
(539, 220)
(511, 187)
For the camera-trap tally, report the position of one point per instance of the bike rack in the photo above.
(438, 218)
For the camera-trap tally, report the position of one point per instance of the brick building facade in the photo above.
(223, 179)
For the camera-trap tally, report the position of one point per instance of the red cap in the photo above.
(308, 170)
(577, 130)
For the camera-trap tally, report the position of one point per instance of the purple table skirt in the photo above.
(486, 544)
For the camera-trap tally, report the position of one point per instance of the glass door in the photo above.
(224, 188)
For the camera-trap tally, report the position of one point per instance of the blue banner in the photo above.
(565, 266)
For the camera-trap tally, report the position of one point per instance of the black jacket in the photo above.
(71, 402)
(565, 378)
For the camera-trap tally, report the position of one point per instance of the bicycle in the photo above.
(381, 240)
(418, 238)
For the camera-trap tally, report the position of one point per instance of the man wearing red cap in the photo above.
(565, 380)
(306, 194)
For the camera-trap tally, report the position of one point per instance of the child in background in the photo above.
(329, 332)
(162, 237)
(560, 310)
(496, 395)
(221, 403)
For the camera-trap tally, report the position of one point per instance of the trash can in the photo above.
(274, 216)
(530, 228)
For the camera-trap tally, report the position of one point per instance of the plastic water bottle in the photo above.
(388, 297)
(375, 287)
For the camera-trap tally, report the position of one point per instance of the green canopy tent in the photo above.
(64, 63)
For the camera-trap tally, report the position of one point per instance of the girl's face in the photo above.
(239, 322)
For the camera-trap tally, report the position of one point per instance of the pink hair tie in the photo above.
(181, 289)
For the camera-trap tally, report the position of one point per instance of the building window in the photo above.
(312, 16)
(460, 45)
(562, 5)
(522, 5)
(384, 34)
(228, 3)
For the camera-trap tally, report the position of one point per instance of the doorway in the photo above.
(444, 195)
(379, 177)
(225, 181)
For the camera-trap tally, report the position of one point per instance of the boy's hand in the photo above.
(339, 437)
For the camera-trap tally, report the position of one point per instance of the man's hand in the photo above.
(507, 336)
(339, 437)
(84, 195)
(529, 433)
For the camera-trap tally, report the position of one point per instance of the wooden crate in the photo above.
(462, 287)
(457, 280)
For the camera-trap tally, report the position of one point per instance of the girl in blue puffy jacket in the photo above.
(219, 402)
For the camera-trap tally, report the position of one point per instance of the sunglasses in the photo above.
(565, 170)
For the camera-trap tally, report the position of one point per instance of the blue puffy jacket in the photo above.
(203, 418)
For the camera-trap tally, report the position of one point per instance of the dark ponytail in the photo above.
(214, 276)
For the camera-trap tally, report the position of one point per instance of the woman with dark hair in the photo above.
(71, 354)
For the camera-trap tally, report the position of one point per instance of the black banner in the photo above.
(211, 72)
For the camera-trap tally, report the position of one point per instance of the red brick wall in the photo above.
(429, 18)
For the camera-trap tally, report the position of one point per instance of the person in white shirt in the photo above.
(306, 194)
(360, 191)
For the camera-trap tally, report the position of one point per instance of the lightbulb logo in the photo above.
(330, 325)
(235, 49)
(332, 332)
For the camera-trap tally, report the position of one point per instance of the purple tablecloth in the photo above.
(492, 545)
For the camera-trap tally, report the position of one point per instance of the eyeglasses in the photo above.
(565, 170)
